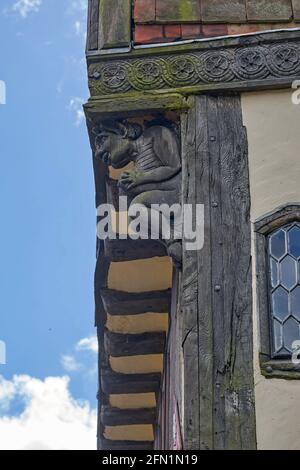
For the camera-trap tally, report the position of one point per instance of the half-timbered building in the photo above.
(196, 102)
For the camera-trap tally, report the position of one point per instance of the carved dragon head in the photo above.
(115, 142)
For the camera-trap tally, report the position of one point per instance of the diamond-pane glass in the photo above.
(278, 244)
(278, 340)
(284, 263)
(280, 303)
(288, 272)
(290, 333)
(295, 303)
(294, 241)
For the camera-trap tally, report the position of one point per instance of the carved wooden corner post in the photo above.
(215, 334)
(219, 408)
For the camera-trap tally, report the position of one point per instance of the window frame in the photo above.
(280, 217)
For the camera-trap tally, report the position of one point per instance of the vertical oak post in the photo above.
(217, 280)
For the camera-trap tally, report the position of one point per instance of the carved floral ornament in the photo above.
(243, 63)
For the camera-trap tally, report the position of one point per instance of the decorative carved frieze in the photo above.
(227, 65)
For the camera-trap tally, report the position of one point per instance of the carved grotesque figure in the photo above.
(156, 177)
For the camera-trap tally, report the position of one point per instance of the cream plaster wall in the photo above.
(138, 324)
(273, 125)
(142, 275)
(137, 364)
(134, 432)
(133, 401)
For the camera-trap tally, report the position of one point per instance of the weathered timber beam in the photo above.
(139, 104)
(116, 417)
(123, 303)
(106, 444)
(219, 410)
(129, 250)
(118, 345)
(112, 192)
(275, 369)
(114, 383)
(115, 23)
(93, 25)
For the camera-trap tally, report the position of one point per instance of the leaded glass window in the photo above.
(284, 285)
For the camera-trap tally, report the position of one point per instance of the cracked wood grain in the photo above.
(217, 294)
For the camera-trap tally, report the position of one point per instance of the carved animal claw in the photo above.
(129, 179)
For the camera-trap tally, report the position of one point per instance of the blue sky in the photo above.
(48, 224)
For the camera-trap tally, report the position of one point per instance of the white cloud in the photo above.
(88, 344)
(70, 364)
(75, 106)
(78, 9)
(77, 27)
(59, 86)
(7, 392)
(52, 418)
(24, 7)
(80, 30)
(78, 5)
